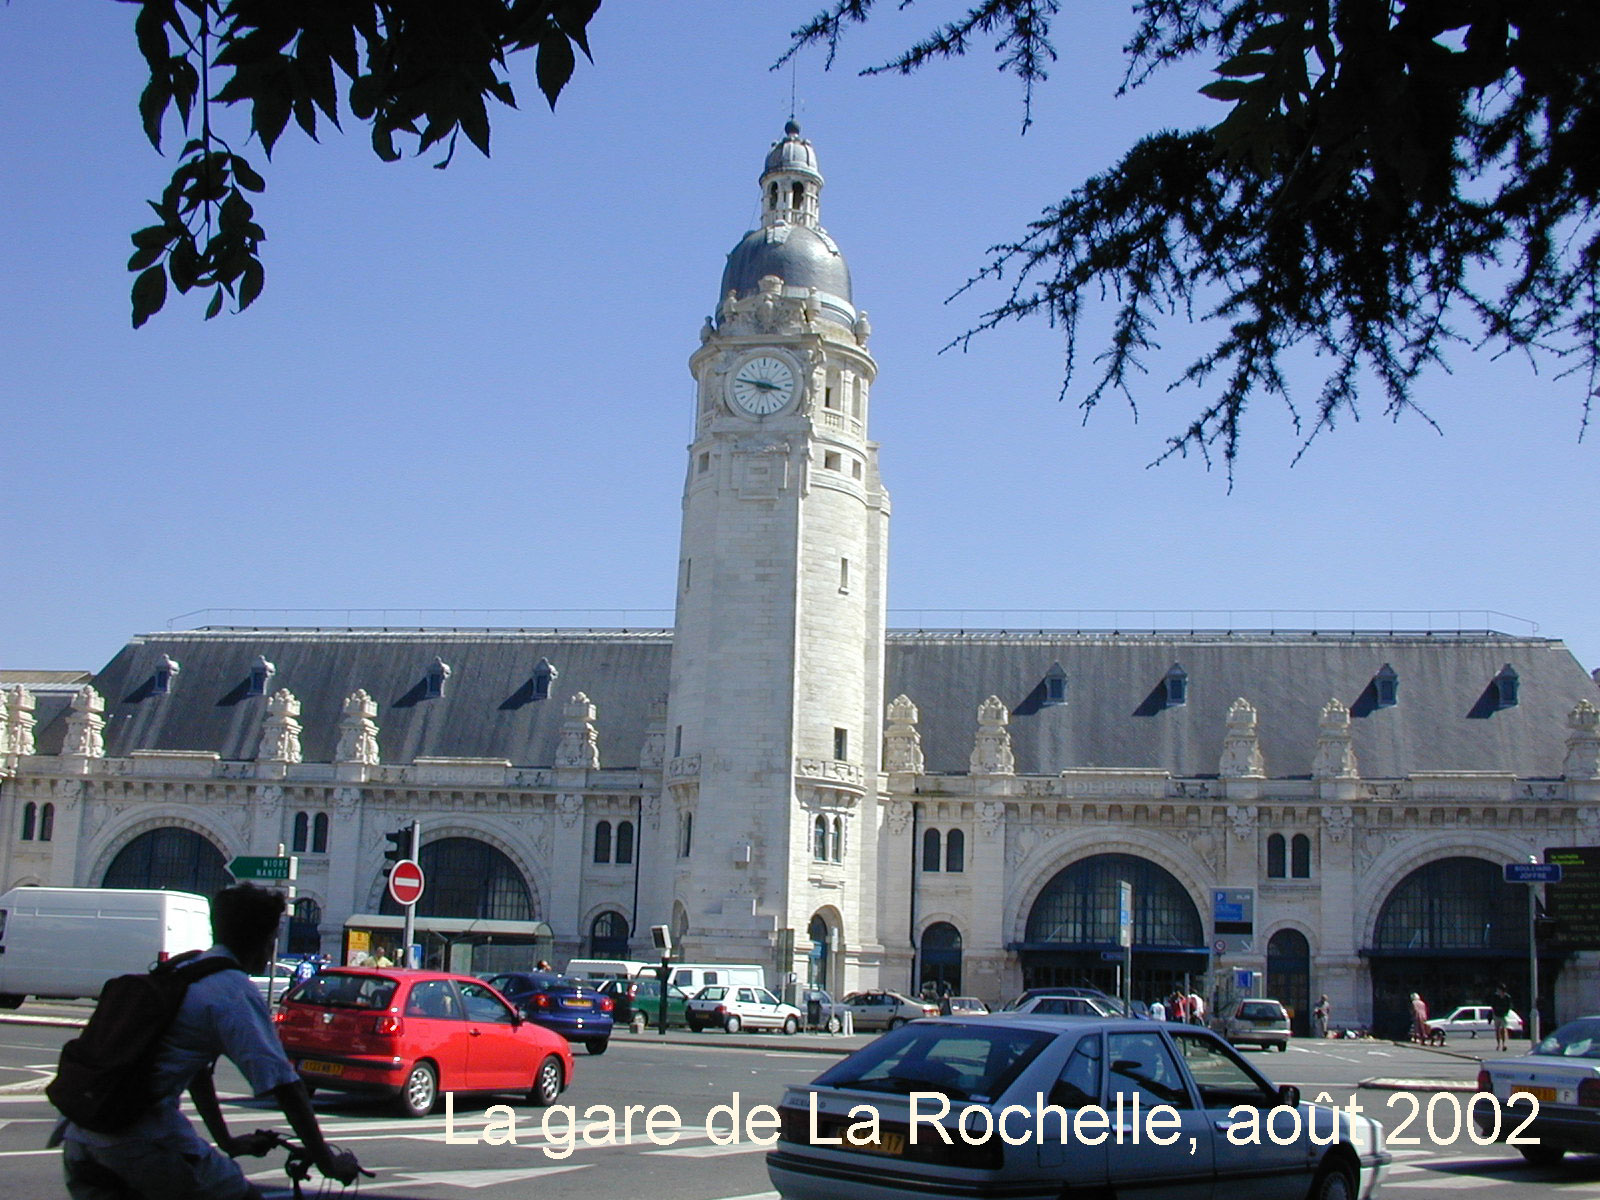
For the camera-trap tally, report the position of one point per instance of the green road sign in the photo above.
(248, 866)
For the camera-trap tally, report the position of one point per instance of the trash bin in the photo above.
(813, 1010)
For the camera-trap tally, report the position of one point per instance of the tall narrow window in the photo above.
(955, 851)
(844, 574)
(302, 825)
(624, 841)
(602, 842)
(1300, 856)
(686, 835)
(319, 833)
(841, 744)
(47, 822)
(819, 839)
(930, 851)
(30, 814)
(1275, 856)
(677, 742)
(797, 196)
(836, 844)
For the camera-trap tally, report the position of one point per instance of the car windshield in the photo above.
(711, 993)
(1260, 1010)
(1579, 1039)
(964, 1062)
(345, 991)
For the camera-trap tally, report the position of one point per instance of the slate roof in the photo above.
(1111, 719)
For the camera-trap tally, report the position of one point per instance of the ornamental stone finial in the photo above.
(1336, 755)
(358, 730)
(902, 744)
(1583, 742)
(280, 732)
(85, 726)
(991, 751)
(580, 739)
(1241, 747)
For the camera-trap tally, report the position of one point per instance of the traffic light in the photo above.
(399, 845)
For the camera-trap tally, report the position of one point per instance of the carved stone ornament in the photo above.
(1241, 747)
(896, 816)
(358, 730)
(1336, 754)
(345, 800)
(902, 744)
(16, 733)
(991, 751)
(268, 801)
(85, 726)
(1242, 820)
(571, 808)
(580, 739)
(767, 310)
(652, 809)
(990, 814)
(1588, 825)
(1022, 843)
(280, 732)
(1337, 821)
(862, 328)
(1583, 742)
(653, 753)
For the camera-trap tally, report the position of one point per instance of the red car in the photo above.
(415, 1034)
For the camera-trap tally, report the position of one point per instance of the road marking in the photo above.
(711, 1151)
(1460, 1181)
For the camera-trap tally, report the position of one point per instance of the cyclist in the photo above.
(160, 1156)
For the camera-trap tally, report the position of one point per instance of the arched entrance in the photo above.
(608, 936)
(1450, 931)
(819, 959)
(941, 958)
(1072, 932)
(305, 920)
(1289, 977)
(170, 857)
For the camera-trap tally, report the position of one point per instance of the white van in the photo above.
(691, 977)
(600, 969)
(66, 942)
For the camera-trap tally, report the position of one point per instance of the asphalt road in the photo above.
(417, 1158)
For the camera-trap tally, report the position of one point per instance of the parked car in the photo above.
(733, 1008)
(577, 1011)
(415, 1034)
(1473, 1019)
(1262, 1023)
(640, 998)
(1109, 1003)
(281, 975)
(963, 1006)
(822, 1010)
(1005, 1062)
(1067, 1006)
(1563, 1075)
(886, 1010)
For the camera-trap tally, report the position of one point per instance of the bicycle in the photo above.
(299, 1163)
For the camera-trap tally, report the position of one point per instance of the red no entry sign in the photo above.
(405, 881)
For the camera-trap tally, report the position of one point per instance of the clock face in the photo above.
(762, 385)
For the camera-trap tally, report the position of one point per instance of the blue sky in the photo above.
(467, 390)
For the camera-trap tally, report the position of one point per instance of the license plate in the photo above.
(889, 1142)
(580, 1003)
(1545, 1095)
(312, 1067)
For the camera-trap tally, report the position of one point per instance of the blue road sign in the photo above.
(1533, 872)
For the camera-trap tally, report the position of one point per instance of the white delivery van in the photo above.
(600, 969)
(691, 977)
(66, 942)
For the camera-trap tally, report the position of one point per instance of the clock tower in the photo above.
(774, 723)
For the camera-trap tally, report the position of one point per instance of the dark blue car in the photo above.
(575, 1010)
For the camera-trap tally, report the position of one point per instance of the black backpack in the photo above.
(103, 1080)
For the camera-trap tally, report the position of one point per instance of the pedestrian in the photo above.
(1321, 1013)
(1177, 1008)
(1158, 1010)
(544, 965)
(1419, 1019)
(1500, 1010)
(304, 969)
(160, 1156)
(382, 959)
(1197, 1009)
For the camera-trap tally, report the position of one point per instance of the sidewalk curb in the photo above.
(40, 1019)
(1386, 1084)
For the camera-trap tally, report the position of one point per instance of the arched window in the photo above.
(608, 936)
(297, 840)
(930, 850)
(817, 961)
(304, 921)
(955, 851)
(1300, 856)
(1455, 904)
(319, 833)
(624, 841)
(941, 957)
(469, 880)
(1079, 906)
(1275, 857)
(47, 822)
(602, 842)
(819, 839)
(170, 857)
(686, 832)
(836, 847)
(30, 814)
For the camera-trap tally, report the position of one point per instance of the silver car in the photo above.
(1262, 1023)
(886, 1010)
(1048, 1102)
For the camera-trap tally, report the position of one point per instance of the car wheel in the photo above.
(1543, 1155)
(694, 1026)
(597, 1045)
(834, 1025)
(732, 1024)
(546, 1089)
(1283, 1047)
(896, 1022)
(11, 1001)
(1333, 1182)
(421, 1090)
(790, 1025)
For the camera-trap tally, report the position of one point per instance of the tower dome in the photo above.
(791, 242)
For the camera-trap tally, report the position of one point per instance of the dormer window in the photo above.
(543, 676)
(166, 671)
(1386, 687)
(261, 673)
(1177, 685)
(1506, 685)
(433, 681)
(1055, 685)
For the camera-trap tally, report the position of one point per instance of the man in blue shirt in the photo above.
(161, 1156)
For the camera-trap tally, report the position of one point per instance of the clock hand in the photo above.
(764, 384)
